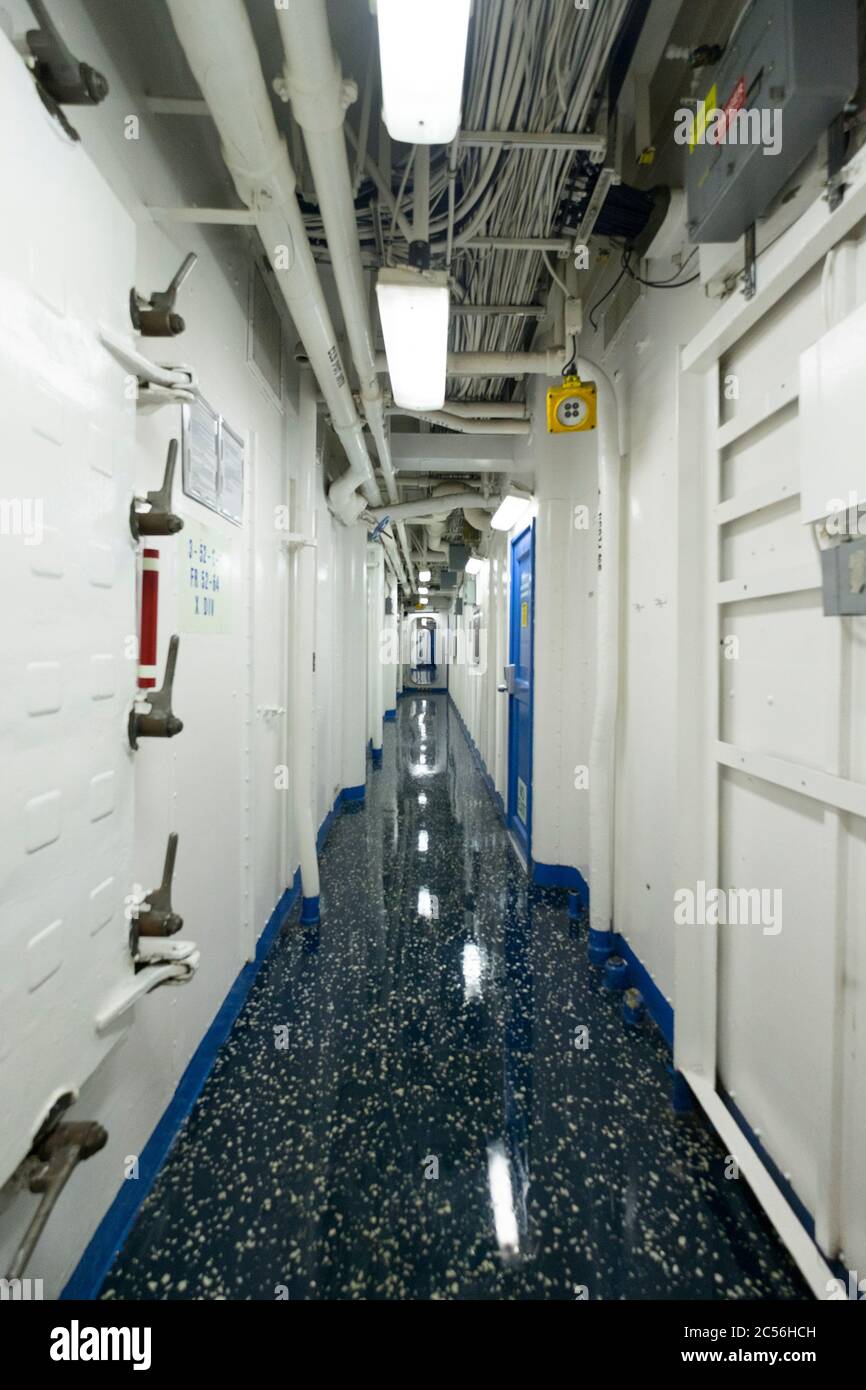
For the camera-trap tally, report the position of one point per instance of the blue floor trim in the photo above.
(658, 1008)
(353, 793)
(91, 1271)
(390, 716)
(561, 876)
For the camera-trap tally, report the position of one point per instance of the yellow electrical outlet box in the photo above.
(571, 406)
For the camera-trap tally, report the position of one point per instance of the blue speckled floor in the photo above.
(430, 1130)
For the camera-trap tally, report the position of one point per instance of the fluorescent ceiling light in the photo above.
(422, 53)
(413, 307)
(425, 576)
(511, 509)
(422, 590)
(474, 565)
(423, 601)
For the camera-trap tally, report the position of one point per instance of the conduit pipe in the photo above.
(488, 410)
(313, 82)
(602, 749)
(466, 425)
(221, 50)
(547, 363)
(436, 506)
(303, 646)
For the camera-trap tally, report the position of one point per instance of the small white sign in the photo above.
(205, 579)
(521, 800)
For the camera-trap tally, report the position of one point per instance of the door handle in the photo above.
(155, 317)
(57, 1150)
(158, 917)
(510, 675)
(160, 520)
(158, 721)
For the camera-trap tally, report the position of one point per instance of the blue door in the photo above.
(520, 696)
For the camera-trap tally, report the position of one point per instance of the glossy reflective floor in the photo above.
(401, 1111)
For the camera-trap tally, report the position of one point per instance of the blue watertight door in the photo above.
(520, 696)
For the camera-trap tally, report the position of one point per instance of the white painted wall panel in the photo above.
(67, 571)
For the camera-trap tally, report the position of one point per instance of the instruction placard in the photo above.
(213, 461)
(206, 579)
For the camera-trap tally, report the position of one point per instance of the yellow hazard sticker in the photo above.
(524, 615)
(705, 112)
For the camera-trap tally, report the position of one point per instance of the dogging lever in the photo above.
(157, 721)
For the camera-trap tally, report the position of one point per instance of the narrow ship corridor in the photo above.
(401, 1110)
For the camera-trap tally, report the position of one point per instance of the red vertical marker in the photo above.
(149, 619)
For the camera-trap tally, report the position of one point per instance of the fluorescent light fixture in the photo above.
(413, 308)
(511, 510)
(422, 590)
(474, 565)
(423, 602)
(422, 53)
(425, 576)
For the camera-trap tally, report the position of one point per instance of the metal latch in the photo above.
(157, 721)
(155, 916)
(155, 317)
(160, 520)
(56, 1151)
(60, 77)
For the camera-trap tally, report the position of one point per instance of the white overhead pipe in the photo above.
(313, 82)
(465, 425)
(545, 363)
(221, 50)
(436, 506)
(602, 748)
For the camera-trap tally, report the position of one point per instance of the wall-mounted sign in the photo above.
(206, 579)
(213, 461)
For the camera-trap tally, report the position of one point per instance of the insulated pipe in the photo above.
(436, 506)
(464, 425)
(221, 50)
(488, 410)
(303, 649)
(602, 749)
(548, 363)
(319, 96)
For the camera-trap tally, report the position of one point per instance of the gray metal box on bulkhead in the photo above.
(797, 57)
(844, 574)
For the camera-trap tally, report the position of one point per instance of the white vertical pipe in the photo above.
(375, 666)
(219, 44)
(602, 750)
(303, 648)
(353, 546)
(319, 96)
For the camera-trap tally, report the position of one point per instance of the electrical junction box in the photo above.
(457, 556)
(572, 406)
(788, 71)
(844, 575)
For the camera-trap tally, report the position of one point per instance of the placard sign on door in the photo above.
(206, 579)
(213, 461)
